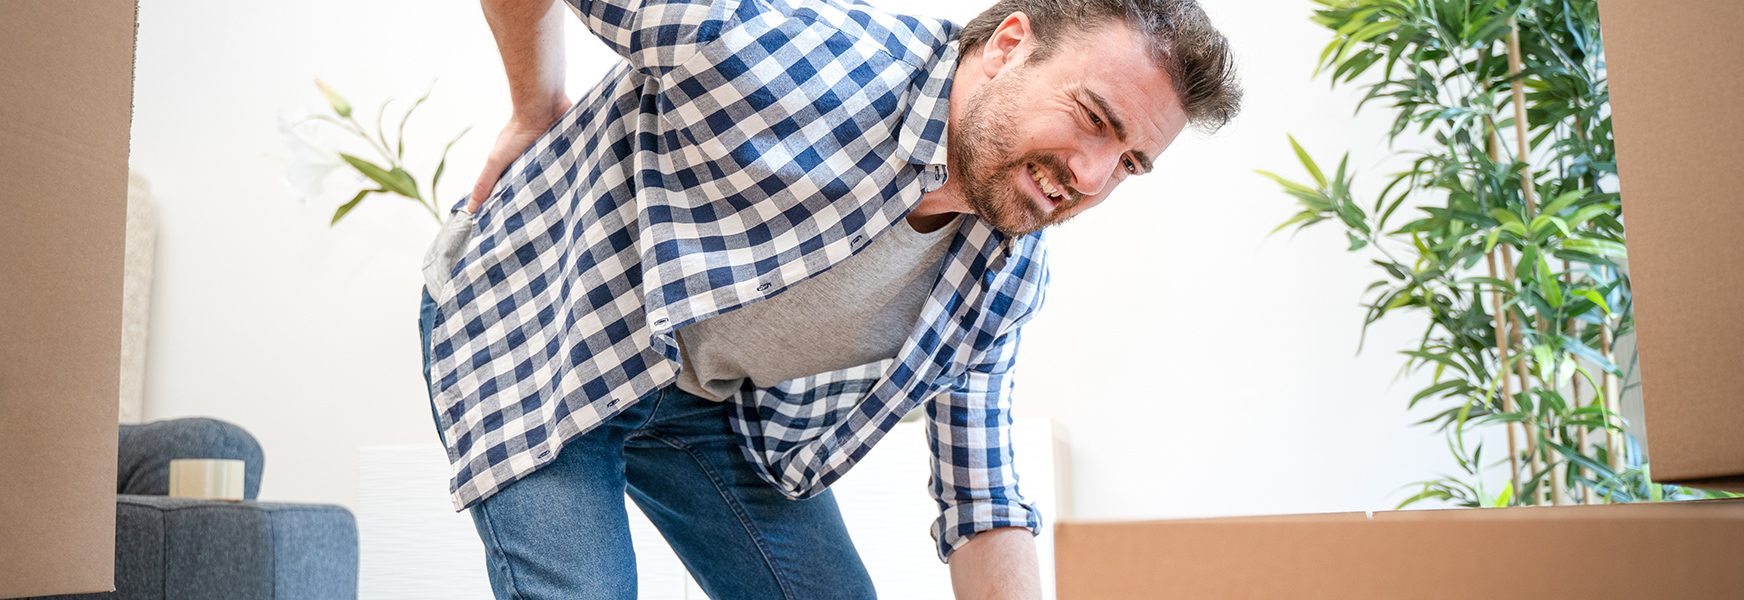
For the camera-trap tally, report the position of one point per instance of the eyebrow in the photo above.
(1114, 120)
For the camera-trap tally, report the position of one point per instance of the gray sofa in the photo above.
(185, 549)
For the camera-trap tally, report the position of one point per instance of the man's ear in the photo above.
(1009, 45)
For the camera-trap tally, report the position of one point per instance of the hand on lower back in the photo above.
(511, 143)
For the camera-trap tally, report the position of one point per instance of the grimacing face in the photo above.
(1040, 143)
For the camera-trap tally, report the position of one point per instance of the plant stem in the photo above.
(1501, 324)
(1612, 392)
(1519, 339)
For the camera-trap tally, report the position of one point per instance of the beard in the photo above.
(978, 153)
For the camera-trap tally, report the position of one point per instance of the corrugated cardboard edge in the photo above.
(65, 115)
(1676, 71)
(1664, 550)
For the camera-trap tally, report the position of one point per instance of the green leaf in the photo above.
(1563, 201)
(1308, 162)
(400, 138)
(1439, 387)
(1596, 298)
(406, 180)
(388, 181)
(333, 98)
(1374, 29)
(1506, 496)
(1305, 217)
(346, 208)
(1580, 349)
(1596, 247)
(1356, 243)
(1490, 240)
(1291, 185)
(443, 165)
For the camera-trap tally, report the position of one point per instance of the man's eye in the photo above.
(1095, 120)
(1130, 168)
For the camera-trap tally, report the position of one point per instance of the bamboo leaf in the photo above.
(1439, 387)
(1305, 217)
(1308, 162)
(1373, 29)
(1291, 185)
(1563, 201)
(1579, 348)
(1596, 298)
(1596, 247)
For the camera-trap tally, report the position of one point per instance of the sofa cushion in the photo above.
(189, 549)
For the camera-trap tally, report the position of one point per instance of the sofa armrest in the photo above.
(188, 549)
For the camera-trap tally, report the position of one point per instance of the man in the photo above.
(777, 227)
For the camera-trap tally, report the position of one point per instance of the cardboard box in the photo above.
(1635, 551)
(65, 114)
(1676, 72)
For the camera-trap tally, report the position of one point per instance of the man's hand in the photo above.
(514, 140)
(997, 564)
(529, 35)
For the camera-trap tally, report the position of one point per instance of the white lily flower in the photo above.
(310, 162)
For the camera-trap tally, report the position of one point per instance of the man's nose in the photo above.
(1092, 168)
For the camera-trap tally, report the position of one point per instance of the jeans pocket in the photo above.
(445, 251)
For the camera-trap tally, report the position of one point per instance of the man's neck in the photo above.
(938, 207)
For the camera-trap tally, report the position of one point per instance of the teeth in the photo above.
(1042, 180)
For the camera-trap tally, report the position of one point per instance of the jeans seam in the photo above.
(657, 398)
(738, 511)
(497, 548)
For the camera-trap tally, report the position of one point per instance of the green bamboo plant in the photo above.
(1506, 231)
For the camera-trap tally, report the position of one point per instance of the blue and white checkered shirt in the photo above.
(741, 148)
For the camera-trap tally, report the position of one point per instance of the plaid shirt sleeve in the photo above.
(654, 35)
(969, 433)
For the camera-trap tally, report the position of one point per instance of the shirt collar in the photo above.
(922, 137)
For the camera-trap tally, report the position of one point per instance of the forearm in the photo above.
(997, 564)
(529, 35)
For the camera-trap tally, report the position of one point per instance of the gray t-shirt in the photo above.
(856, 313)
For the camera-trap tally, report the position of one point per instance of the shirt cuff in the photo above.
(959, 523)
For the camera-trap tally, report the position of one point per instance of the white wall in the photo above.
(1200, 367)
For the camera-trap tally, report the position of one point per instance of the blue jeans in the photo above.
(562, 531)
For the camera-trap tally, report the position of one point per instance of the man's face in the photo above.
(1040, 143)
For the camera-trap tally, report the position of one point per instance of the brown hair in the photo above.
(1183, 44)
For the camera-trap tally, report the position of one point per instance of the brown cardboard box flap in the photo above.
(1676, 72)
(65, 113)
(1664, 550)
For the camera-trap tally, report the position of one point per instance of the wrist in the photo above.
(539, 113)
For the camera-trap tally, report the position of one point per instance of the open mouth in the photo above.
(1053, 195)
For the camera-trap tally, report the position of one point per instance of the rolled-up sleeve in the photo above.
(969, 432)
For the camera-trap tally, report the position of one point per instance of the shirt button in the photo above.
(763, 288)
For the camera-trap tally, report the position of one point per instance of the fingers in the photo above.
(493, 170)
(514, 140)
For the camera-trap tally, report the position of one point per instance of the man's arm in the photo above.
(984, 529)
(997, 564)
(529, 36)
